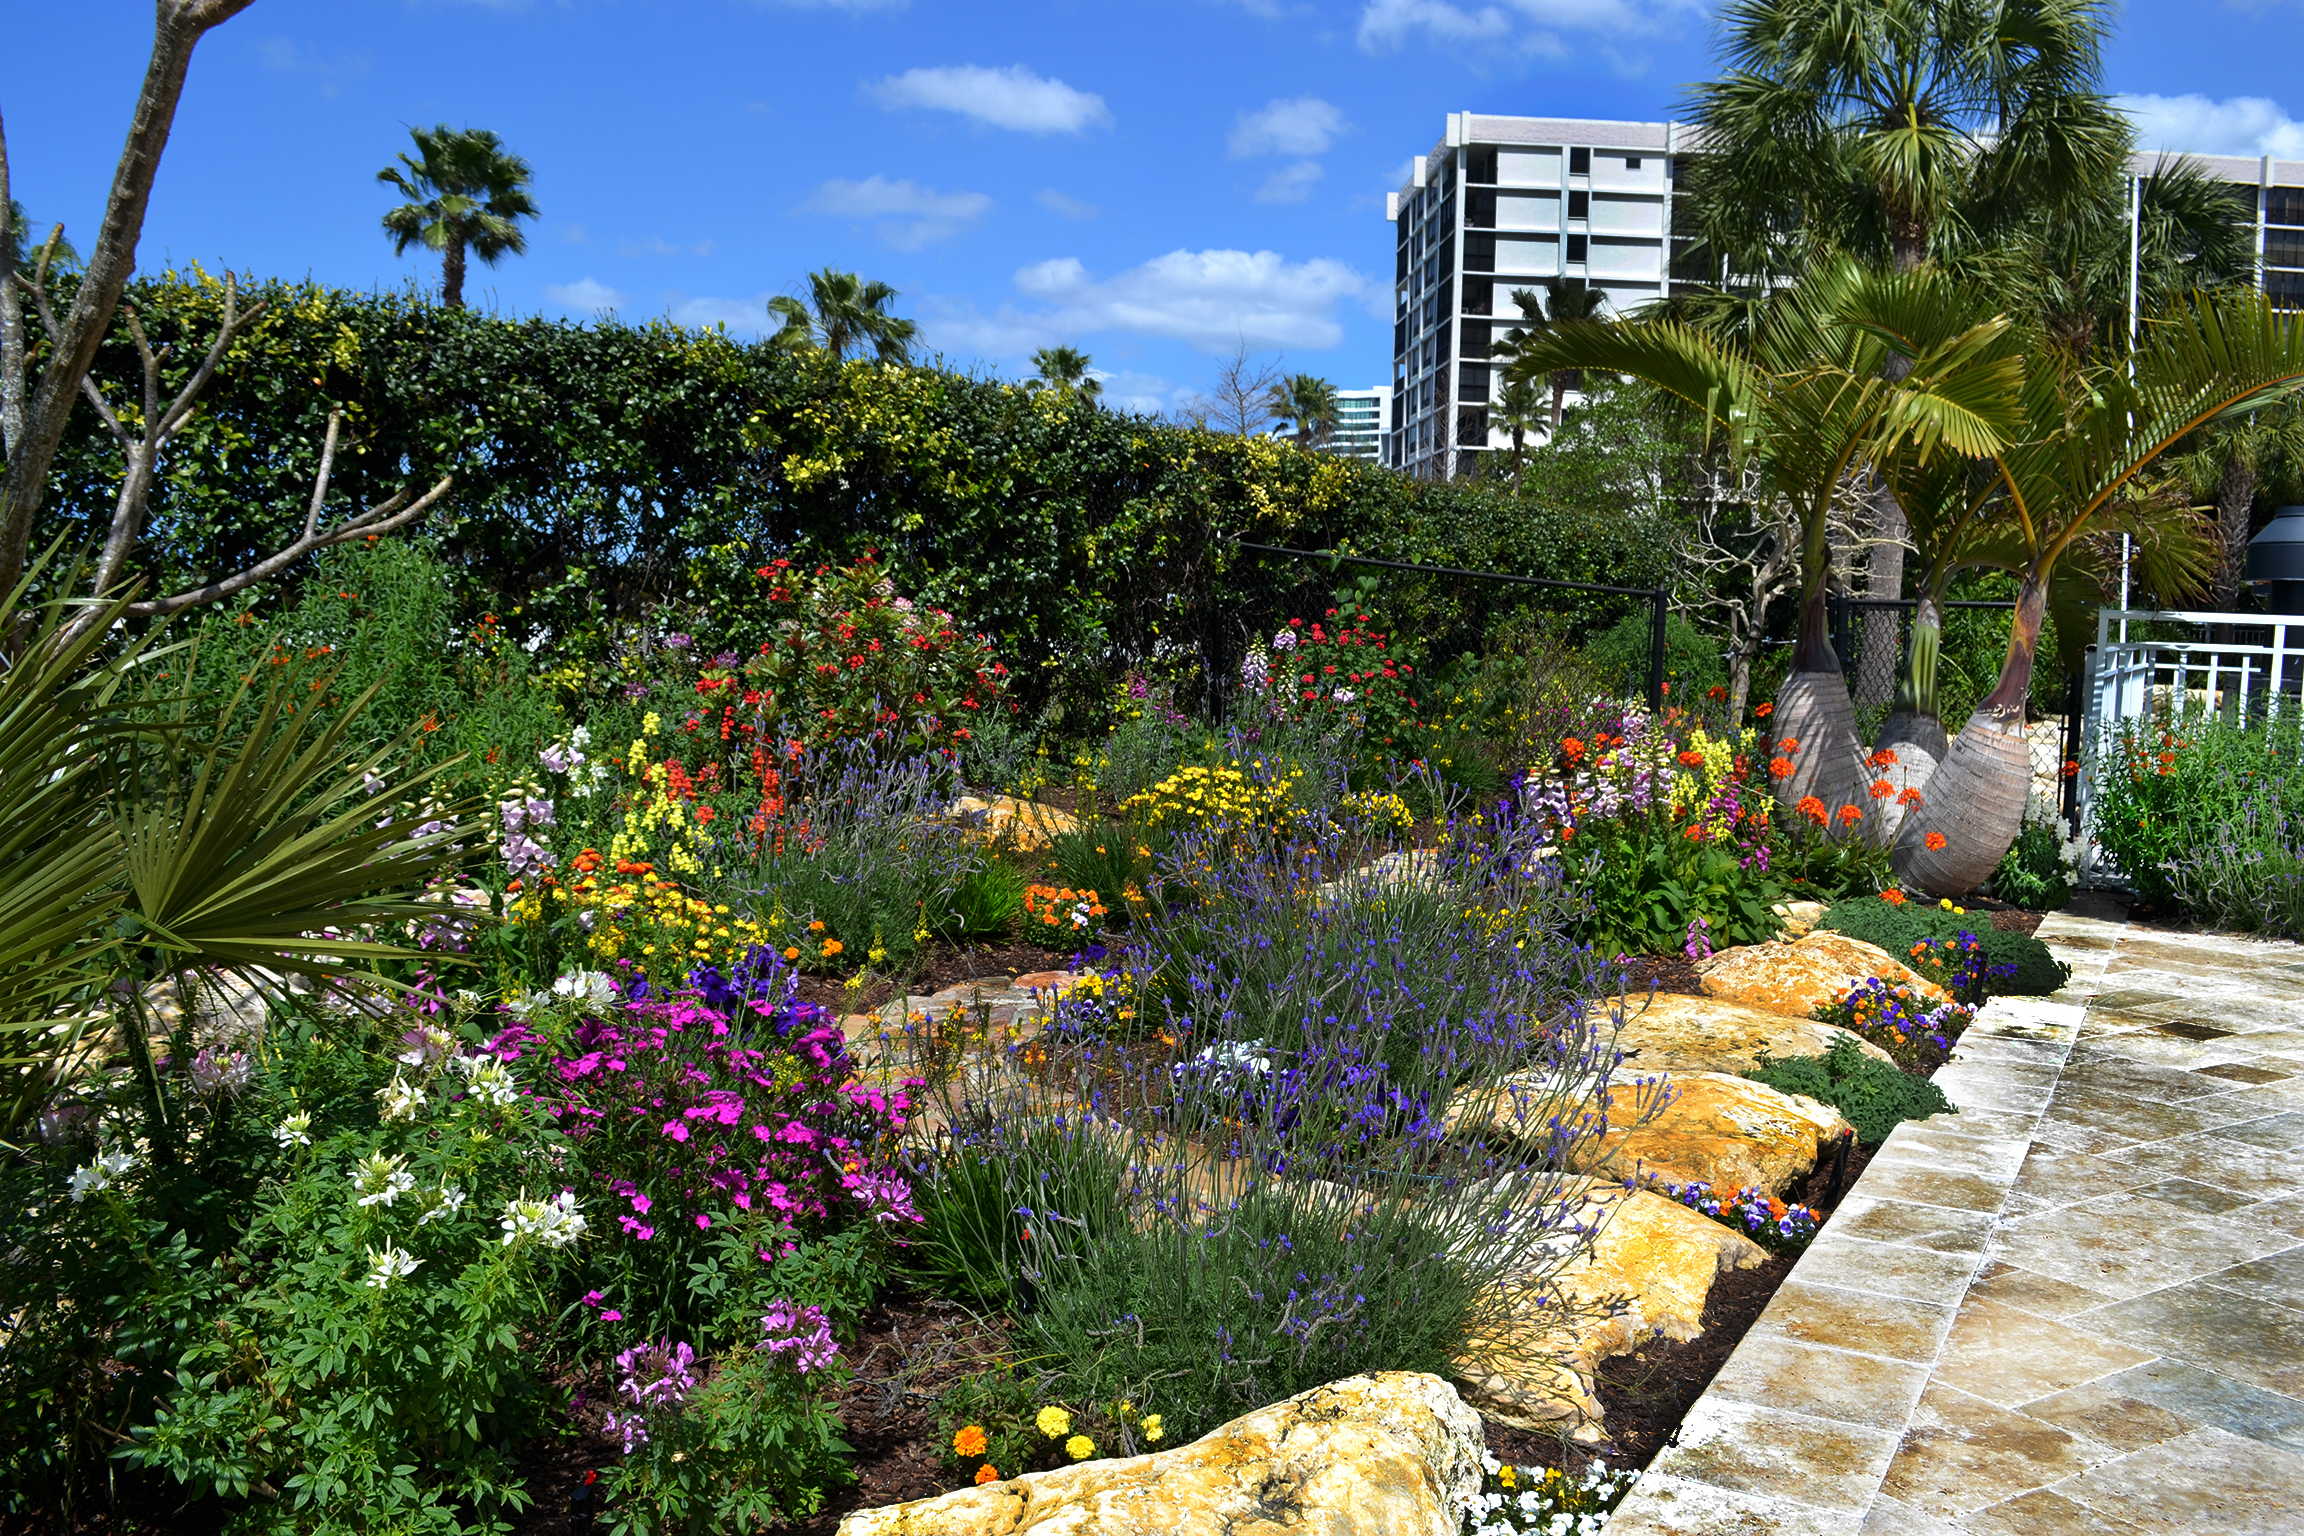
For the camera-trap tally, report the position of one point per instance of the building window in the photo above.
(1475, 338)
(1480, 210)
(1472, 429)
(1576, 244)
(1631, 162)
(2284, 247)
(1472, 383)
(1480, 165)
(1579, 162)
(1579, 205)
(1479, 253)
(2285, 289)
(1479, 296)
(2284, 205)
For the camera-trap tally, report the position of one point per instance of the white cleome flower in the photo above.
(593, 987)
(89, 1178)
(390, 1265)
(428, 1046)
(295, 1131)
(442, 1203)
(489, 1079)
(381, 1180)
(402, 1099)
(555, 1223)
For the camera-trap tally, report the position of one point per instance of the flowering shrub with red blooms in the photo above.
(713, 1121)
(1331, 668)
(849, 659)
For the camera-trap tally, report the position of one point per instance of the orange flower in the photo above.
(2070, 767)
(1715, 692)
(987, 1473)
(1764, 711)
(791, 954)
(1849, 814)
(1882, 789)
(1691, 759)
(1788, 745)
(1909, 797)
(1884, 758)
(969, 1441)
(1572, 749)
(816, 926)
(1812, 808)
(1893, 898)
(1780, 768)
(1934, 840)
(833, 946)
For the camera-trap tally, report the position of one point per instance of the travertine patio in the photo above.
(2076, 1307)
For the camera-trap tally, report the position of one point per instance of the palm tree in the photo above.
(1309, 403)
(2232, 462)
(1881, 125)
(1809, 400)
(466, 193)
(1064, 370)
(842, 314)
(2089, 436)
(1563, 300)
(1519, 406)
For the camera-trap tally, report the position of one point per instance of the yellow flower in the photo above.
(1054, 1422)
(1507, 1476)
(1151, 1429)
(1079, 1447)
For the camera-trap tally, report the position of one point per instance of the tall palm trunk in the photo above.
(1914, 730)
(452, 274)
(2235, 498)
(1814, 713)
(1975, 804)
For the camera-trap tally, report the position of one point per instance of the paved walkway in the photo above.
(2076, 1307)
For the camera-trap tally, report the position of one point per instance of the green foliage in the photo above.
(2033, 874)
(1619, 659)
(1871, 1095)
(2173, 785)
(1648, 884)
(988, 904)
(1897, 928)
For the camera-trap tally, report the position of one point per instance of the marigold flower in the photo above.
(833, 946)
(969, 1441)
(1053, 1422)
(791, 953)
(1934, 840)
(1079, 1447)
(987, 1473)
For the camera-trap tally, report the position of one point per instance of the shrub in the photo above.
(2036, 871)
(1870, 1094)
(1896, 927)
(1339, 676)
(2178, 785)
(2249, 873)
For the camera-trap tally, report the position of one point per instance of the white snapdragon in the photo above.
(295, 1131)
(390, 1265)
(381, 1180)
(91, 1178)
(555, 1223)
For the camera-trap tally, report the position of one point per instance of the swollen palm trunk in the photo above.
(1919, 744)
(1814, 712)
(1974, 806)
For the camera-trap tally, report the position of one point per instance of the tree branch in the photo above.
(178, 27)
(379, 519)
(11, 318)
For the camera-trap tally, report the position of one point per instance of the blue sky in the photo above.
(1154, 181)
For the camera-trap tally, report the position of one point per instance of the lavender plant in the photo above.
(1312, 1122)
(2248, 872)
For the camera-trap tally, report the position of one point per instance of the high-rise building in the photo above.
(1509, 202)
(1359, 430)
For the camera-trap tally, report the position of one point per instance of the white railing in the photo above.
(2247, 679)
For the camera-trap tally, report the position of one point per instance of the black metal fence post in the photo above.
(1658, 613)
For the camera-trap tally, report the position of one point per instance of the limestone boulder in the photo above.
(1799, 918)
(1676, 1034)
(1647, 1275)
(1395, 1453)
(1025, 825)
(1797, 978)
(1728, 1132)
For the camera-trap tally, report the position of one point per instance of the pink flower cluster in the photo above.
(800, 1333)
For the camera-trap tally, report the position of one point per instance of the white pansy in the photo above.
(295, 1131)
(381, 1180)
(390, 1265)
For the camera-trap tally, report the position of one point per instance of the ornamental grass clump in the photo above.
(1273, 1145)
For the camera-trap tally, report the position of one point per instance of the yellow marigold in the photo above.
(1079, 1447)
(1054, 1422)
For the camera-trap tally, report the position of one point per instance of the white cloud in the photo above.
(1537, 24)
(1290, 184)
(1070, 207)
(657, 245)
(331, 70)
(1294, 125)
(1003, 98)
(737, 314)
(587, 295)
(910, 215)
(1213, 300)
(2238, 125)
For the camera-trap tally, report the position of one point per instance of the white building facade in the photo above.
(1510, 202)
(1360, 415)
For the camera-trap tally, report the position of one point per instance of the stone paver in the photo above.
(2075, 1307)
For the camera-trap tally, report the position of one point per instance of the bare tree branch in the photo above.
(178, 25)
(379, 519)
(11, 317)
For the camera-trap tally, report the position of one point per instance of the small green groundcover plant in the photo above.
(1870, 1094)
(1897, 926)
(2034, 873)
(1513, 1500)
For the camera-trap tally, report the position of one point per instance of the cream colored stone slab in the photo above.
(1961, 1453)
(2009, 1357)
(1741, 1448)
(1885, 1269)
(1823, 1383)
(1390, 1454)
(1890, 1327)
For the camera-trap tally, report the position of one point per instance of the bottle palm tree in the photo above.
(1308, 403)
(1563, 300)
(466, 195)
(1064, 370)
(1881, 125)
(842, 314)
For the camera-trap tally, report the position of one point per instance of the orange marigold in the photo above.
(969, 1441)
(987, 1473)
